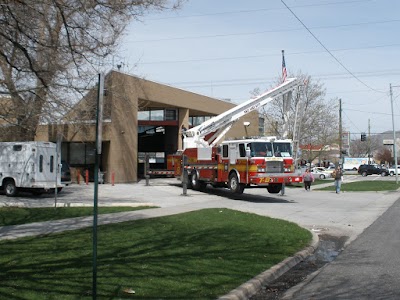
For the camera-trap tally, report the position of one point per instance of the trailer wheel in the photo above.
(234, 184)
(10, 188)
(196, 183)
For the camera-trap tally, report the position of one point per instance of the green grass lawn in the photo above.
(366, 186)
(23, 215)
(196, 255)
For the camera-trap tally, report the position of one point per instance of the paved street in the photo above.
(367, 269)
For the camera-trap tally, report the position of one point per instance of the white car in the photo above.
(321, 173)
(392, 170)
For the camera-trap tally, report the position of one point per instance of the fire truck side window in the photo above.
(242, 150)
(224, 150)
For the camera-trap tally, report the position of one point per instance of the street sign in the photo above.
(388, 142)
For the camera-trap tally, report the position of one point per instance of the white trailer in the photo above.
(353, 163)
(29, 166)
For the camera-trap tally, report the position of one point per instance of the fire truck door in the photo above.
(233, 154)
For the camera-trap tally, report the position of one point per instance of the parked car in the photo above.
(365, 170)
(392, 170)
(320, 172)
(65, 173)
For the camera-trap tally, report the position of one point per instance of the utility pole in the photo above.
(340, 132)
(369, 141)
(394, 137)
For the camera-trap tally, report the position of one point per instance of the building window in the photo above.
(261, 127)
(143, 115)
(197, 120)
(170, 115)
(82, 154)
(158, 115)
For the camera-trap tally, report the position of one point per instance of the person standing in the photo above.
(183, 133)
(308, 178)
(338, 176)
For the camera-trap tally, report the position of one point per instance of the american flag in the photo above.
(284, 72)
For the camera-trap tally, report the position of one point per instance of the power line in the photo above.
(373, 113)
(330, 53)
(262, 55)
(256, 10)
(263, 80)
(350, 120)
(261, 32)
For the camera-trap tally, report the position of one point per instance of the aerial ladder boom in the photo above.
(219, 125)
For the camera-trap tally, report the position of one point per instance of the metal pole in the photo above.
(58, 151)
(340, 132)
(295, 136)
(184, 176)
(99, 121)
(394, 137)
(369, 142)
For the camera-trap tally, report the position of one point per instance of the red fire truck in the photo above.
(263, 162)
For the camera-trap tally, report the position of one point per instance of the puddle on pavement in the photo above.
(329, 248)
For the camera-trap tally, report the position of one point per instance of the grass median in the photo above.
(365, 186)
(197, 255)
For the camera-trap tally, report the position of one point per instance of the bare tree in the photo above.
(50, 52)
(360, 148)
(316, 118)
(384, 155)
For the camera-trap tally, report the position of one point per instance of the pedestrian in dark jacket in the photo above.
(308, 178)
(338, 176)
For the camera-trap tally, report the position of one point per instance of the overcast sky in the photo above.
(227, 48)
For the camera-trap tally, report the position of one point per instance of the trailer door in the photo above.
(46, 167)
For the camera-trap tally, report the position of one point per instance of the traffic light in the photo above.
(363, 137)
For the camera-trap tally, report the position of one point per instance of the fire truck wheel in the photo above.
(274, 189)
(10, 188)
(234, 184)
(196, 183)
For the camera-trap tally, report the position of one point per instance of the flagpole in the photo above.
(284, 71)
(286, 101)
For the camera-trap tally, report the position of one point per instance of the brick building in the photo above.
(139, 116)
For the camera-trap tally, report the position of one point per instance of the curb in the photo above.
(251, 287)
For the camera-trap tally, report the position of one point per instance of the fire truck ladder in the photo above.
(219, 125)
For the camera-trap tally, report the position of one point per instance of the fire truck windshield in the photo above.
(282, 149)
(268, 149)
(261, 149)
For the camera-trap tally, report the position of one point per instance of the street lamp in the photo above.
(246, 124)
